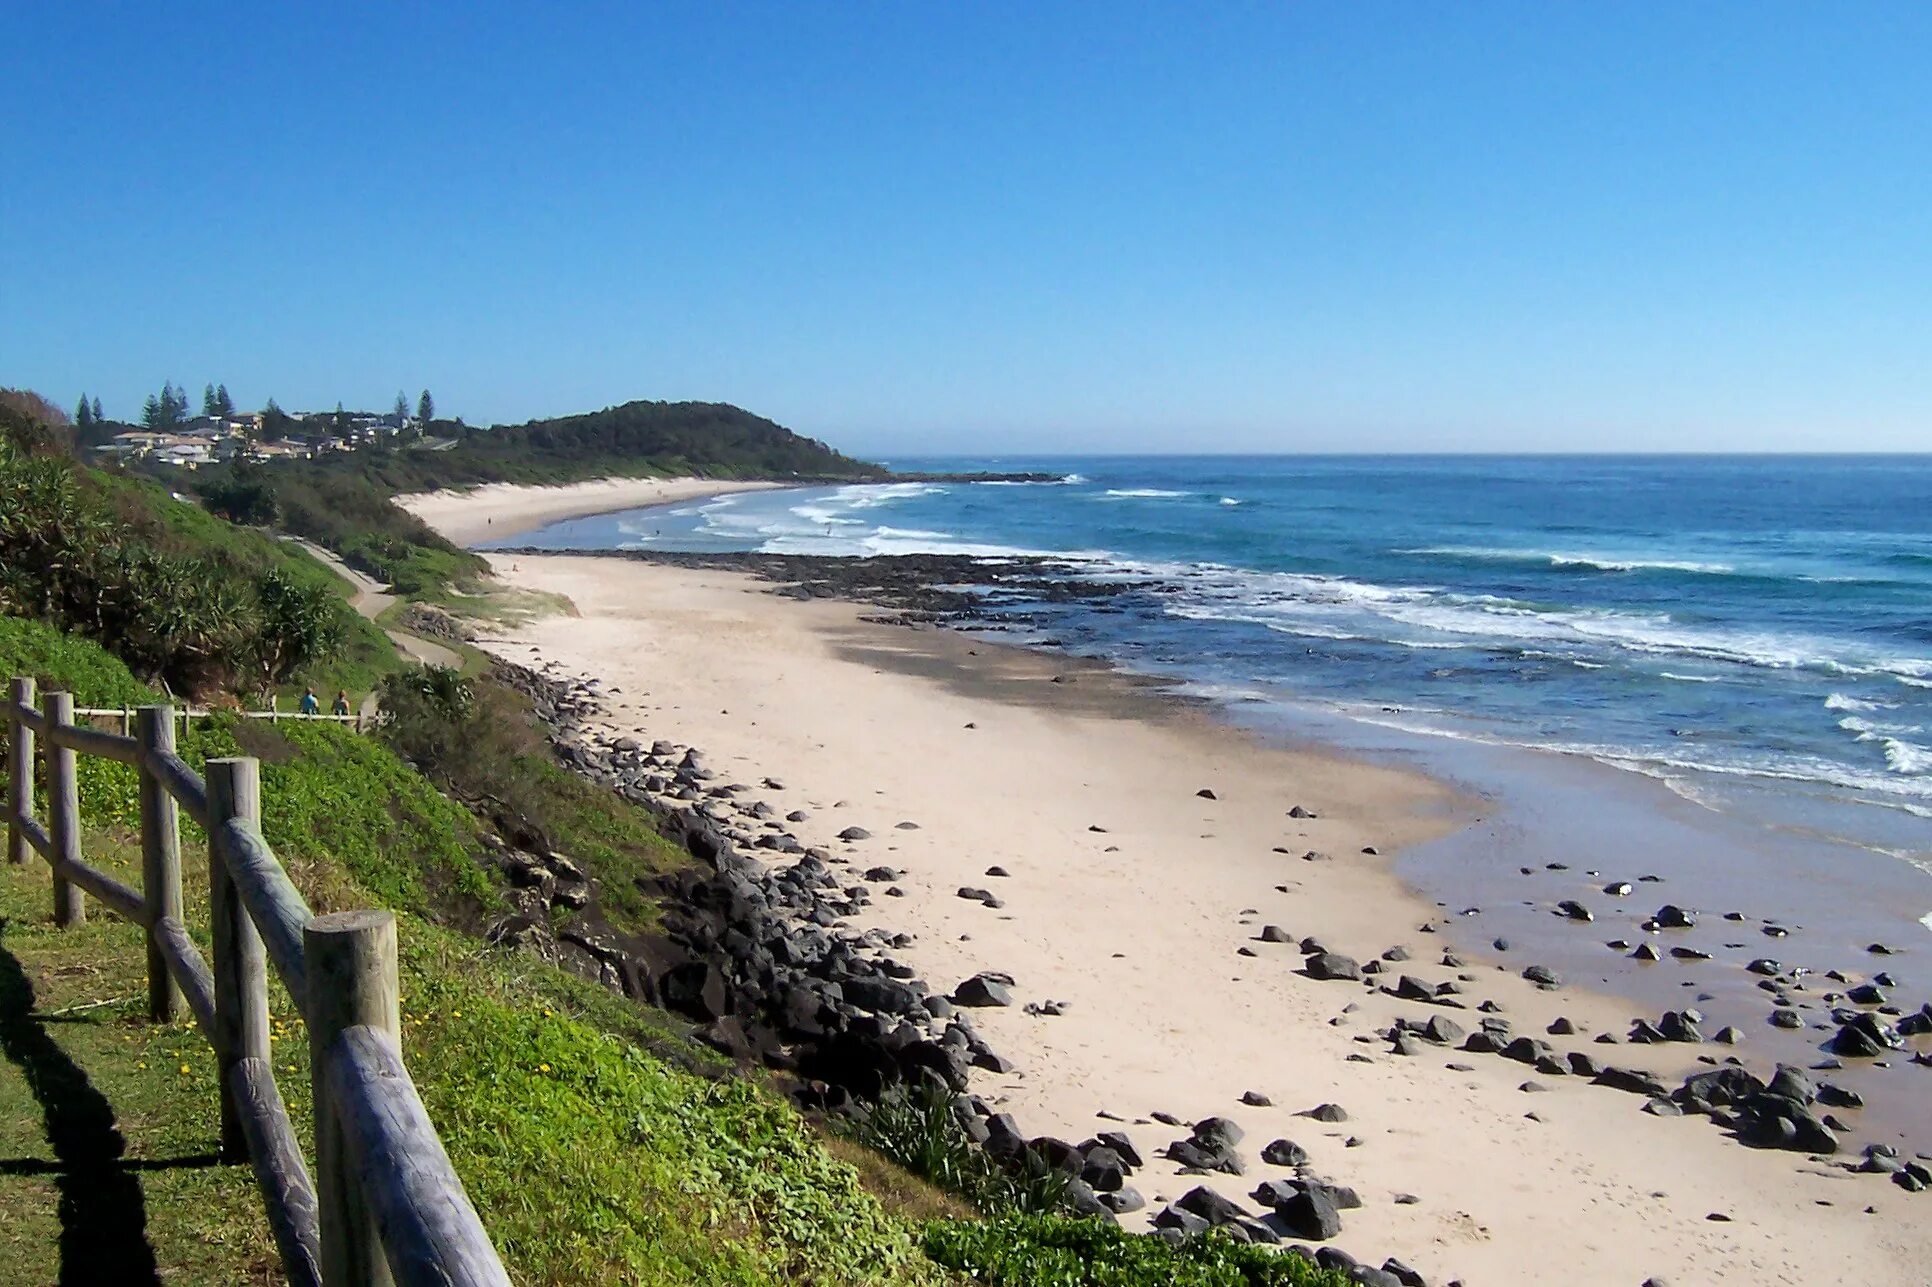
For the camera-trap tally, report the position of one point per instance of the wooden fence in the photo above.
(385, 1205)
(126, 715)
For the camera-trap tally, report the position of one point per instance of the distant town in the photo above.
(169, 434)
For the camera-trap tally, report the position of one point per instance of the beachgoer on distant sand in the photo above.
(311, 704)
(341, 706)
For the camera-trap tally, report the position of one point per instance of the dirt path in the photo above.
(371, 599)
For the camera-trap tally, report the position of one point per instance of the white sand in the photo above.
(1138, 928)
(499, 511)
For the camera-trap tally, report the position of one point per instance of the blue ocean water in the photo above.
(1755, 632)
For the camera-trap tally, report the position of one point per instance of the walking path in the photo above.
(372, 598)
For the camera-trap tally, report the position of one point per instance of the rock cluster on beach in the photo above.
(759, 950)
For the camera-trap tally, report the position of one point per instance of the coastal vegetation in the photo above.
(600, 1142)
(191, 602)
(345, 500)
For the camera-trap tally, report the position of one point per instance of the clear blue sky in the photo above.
(1049, 227)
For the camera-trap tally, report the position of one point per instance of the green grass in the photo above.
(598, 1142)
(496, 755)
(365, 654)
(95, 676)
(1054, 1251)
(591, 1159)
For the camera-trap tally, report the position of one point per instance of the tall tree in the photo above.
(167, 410)
(98, 417)
(273, 422)
(425, 409)
(84, 414)
(209, 407)
(402, 409)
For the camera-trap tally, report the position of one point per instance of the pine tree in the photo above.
(98, 417)
(84, 414)
(224, 405)
(402, 409)
(425, 409)
(209, 407)
(151, 414)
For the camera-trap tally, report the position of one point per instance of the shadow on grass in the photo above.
(103, 1214)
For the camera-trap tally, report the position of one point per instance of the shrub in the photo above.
(1054, 1251)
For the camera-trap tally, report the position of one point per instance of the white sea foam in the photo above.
(1143, 493)
(1906, 757)
(1561, 559)
(1690, 679)
(1229, 500)
(1842, 702)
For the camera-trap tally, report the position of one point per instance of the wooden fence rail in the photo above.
(128, 714)
(385, 1205)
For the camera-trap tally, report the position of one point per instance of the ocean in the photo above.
(1755, 633)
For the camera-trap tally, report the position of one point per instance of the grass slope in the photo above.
(598, 1143)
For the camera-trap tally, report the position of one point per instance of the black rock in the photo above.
(1103, 1169)
(1325, 1113)
(1543, 977)
(1865, 1037)
(1217, 1132)
(1671, 916)
(855, 833)
(1211, 1206)
(1121, 1145)
(1284, 1152)
(1333, 965)
(1309, 1214)
(1185, 1222)
(982, 990)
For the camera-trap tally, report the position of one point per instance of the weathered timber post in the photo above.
(351, 960)
(160, 857)
(240, 963)
(63, 809)
(20, 773)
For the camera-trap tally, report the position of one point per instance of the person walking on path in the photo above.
(341, 706)
(311, 705)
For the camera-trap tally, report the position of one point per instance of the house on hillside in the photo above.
(288, 449)
(138, 442)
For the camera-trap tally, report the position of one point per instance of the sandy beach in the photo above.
(500, 511)
(1138, 902)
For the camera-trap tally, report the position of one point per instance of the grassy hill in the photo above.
(345, 501)
(188, 599)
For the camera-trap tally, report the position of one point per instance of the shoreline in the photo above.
(1626, 1193)
(495, 512)
(806, 692)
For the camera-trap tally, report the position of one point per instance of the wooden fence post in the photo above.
(240, 964)
(63, 809)
(20, 774)
(160, 857)
(351, 959)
